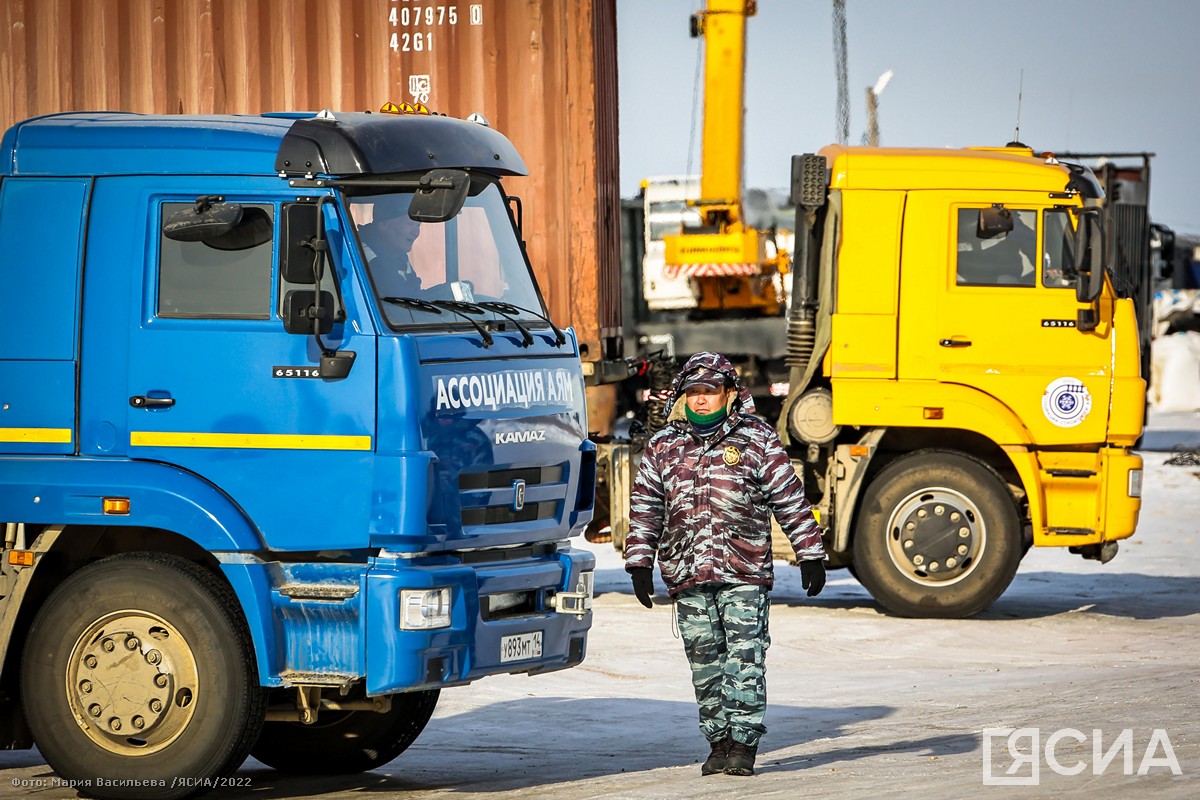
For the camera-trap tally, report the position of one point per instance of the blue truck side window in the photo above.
(216, 279)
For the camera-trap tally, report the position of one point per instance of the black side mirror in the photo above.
(440, 195)
(298, 236)
(207, 219)
(302, 313)
(1089, 256)
(993, 222)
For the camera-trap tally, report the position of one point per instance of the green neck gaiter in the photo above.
(704, 420)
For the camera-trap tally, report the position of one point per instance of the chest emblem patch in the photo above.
(732, 455)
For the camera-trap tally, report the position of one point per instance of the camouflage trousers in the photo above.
(725, 638)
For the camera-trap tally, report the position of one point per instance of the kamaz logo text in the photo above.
(520, 437)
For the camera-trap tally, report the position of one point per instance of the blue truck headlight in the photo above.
(423, 609)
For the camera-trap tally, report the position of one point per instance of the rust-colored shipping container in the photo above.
(541, 71)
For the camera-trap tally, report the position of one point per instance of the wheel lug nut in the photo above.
(156, 705)
(933, 566)
(132, 643)
(939, 510)
(918, 559)
(922, 513)
(153, 657)
(115, 724)
(962, 549)
(955, 516)
(964, 532)
(108, 645)
(951, 561)
(138, 723)
(85, 687)
(94, 710)
(910, 526)
(160, 680)
(908, 544)
(90, 662)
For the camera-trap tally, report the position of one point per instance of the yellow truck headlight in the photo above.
(1135, 483)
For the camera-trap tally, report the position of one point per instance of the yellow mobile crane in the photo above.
(726, 258)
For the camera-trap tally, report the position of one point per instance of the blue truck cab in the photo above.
(288, 441)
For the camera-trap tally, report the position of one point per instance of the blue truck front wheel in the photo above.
(139, 678)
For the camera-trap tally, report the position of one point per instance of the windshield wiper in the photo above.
(526, 336)
(464, 310)
(504, 309)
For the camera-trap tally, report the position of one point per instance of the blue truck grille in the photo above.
(498, 515)
(488, 497)
(503, 478)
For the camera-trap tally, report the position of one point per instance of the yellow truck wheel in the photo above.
(937, 536)
(138, 678)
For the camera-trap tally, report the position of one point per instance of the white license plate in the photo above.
(521, 647)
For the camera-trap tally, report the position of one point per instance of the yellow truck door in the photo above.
(993, 312)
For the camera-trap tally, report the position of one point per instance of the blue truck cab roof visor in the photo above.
(337, 145)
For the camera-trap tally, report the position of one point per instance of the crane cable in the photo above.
(695, 98)
(839, 59)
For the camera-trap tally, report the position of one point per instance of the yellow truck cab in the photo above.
(965, 381)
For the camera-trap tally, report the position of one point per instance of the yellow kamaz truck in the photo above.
(960, 376)
(964, 380)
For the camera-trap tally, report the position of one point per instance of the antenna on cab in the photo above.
(1016, 141)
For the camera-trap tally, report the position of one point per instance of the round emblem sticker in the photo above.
(1066, 402)
(732, 455)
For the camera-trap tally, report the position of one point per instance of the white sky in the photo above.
(1099, 76)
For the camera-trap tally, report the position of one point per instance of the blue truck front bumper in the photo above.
(510, 611)
(530, 636)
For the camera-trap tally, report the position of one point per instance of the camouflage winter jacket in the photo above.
(703, 505)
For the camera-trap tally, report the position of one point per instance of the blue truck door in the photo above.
(41, 238)
(216, 386)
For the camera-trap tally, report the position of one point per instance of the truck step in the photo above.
(318, 591)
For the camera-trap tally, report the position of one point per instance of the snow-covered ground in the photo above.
(862, 704)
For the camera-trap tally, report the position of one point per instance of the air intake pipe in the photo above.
(809, 182)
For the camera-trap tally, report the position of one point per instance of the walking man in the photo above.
(701, 505)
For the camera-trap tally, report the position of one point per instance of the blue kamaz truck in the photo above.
(288, 442)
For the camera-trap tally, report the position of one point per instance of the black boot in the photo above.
(716, 759)
(740, 760)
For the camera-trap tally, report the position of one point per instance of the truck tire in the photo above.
(139, 680)
(937, 536)
(346, 742)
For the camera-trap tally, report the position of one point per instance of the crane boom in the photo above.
(725, 258)
(724, 31)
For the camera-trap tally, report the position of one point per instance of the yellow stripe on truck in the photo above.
(249, 441)
(40, 435)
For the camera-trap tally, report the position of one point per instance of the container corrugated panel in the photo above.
(543, 72)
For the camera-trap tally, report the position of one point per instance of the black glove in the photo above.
(643, 584)
(812, 576)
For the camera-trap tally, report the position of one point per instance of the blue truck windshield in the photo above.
(474, 259)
